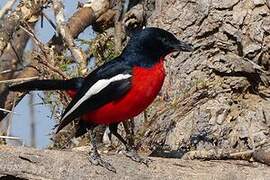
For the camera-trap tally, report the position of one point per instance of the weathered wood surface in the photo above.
(30, 163)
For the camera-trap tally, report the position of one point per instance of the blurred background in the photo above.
(32, 106)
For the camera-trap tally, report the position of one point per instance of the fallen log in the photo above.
(29, 163)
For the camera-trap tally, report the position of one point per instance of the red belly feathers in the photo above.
(146, 84)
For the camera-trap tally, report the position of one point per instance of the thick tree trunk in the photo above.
(216, 97)
(30, 163)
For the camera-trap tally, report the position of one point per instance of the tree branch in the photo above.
(63, 30)
(26, 11)
(21, 162)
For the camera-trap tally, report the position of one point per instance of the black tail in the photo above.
(74, 83)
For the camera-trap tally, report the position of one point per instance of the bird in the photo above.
(116, 91)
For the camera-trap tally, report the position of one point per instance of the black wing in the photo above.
(116, 73)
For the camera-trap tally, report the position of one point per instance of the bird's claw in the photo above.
(98, 161)
(132, 154)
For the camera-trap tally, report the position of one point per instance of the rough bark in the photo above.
(218, 96)
(30, 163)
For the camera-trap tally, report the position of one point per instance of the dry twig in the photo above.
(5, 110)
(63, 30)
(19, 79)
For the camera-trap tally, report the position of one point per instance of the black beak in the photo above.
(182, 46)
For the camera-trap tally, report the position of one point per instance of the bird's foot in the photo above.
(132, 154)
(96, 160)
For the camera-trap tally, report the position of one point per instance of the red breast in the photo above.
(146, 84)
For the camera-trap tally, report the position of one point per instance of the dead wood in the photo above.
(218, 96)
(21, 162)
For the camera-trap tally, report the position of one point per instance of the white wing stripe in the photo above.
(96, 88)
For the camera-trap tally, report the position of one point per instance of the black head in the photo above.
(155, 43)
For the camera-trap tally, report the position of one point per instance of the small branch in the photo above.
(8, 111)
(10, 137)
(19, 79)
(95, 13)
(257, 154)
(11, 70)
(25, 11)
(240, 155)
(54, 68)
(29, 31)
(45, 50)
(64, 31)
